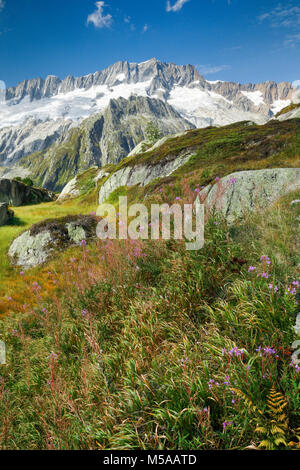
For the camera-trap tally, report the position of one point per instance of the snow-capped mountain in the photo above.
(40, 114)
(202, 102)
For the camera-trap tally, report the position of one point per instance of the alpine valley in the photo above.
(52, 129)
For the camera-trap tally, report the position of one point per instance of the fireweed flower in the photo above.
(292, 291)
(265, 259)
(217, 179)
(232, 180)
(269, 351)
(53, 356)
(236, 352)
(295, 366)
(83, 243)
(264, 275)
(227, 424)
(251, 269)
(84, 312)
(197, 190)
(227, 380)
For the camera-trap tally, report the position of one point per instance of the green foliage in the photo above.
(27, 181)
(287, 109)
(128, 353)
(153, 133)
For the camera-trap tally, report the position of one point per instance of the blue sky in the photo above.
(238, 40)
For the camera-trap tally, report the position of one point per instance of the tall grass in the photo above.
(143, 345)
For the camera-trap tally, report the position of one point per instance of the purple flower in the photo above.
(197, 190)
(84, 312)
(265, 259)
(264, 275)
(227, 380)
(53, 356)
(232, 180)
(83, 243)
(269, 351)
(274, 288)
(236, 352)
(217, 178)
(227, 424)
(251, 269)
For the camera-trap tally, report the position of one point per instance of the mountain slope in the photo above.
(102, 139)
(46, 117)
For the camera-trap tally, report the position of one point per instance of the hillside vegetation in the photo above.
(144, 345)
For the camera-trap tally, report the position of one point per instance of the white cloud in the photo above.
(177, 6)
(291, 41)
(282, 16)
(98, 19)
(2, 4)
(211, 69)
(145, 28)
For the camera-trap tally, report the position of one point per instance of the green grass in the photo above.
(127, 358)
(125, 345)
(25, 217)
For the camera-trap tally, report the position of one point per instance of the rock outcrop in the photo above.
(36, 245)
(141, 174)
(244, 191)
(5, 213)
(16, 193)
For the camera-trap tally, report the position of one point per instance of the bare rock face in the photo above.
(5, 214)
(245, 191)
(16, 193)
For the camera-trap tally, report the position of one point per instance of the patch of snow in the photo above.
(255, 96)
(121, 77)
(278, 105)
(75, 105)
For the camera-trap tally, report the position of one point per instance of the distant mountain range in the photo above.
(52, 128)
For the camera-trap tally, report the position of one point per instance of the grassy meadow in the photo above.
(144, 345)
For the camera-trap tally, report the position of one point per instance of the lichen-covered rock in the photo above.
(140, 174)
(242, 191)
(36, 245)
(5, 213)
(28, 250)
(16, 193)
